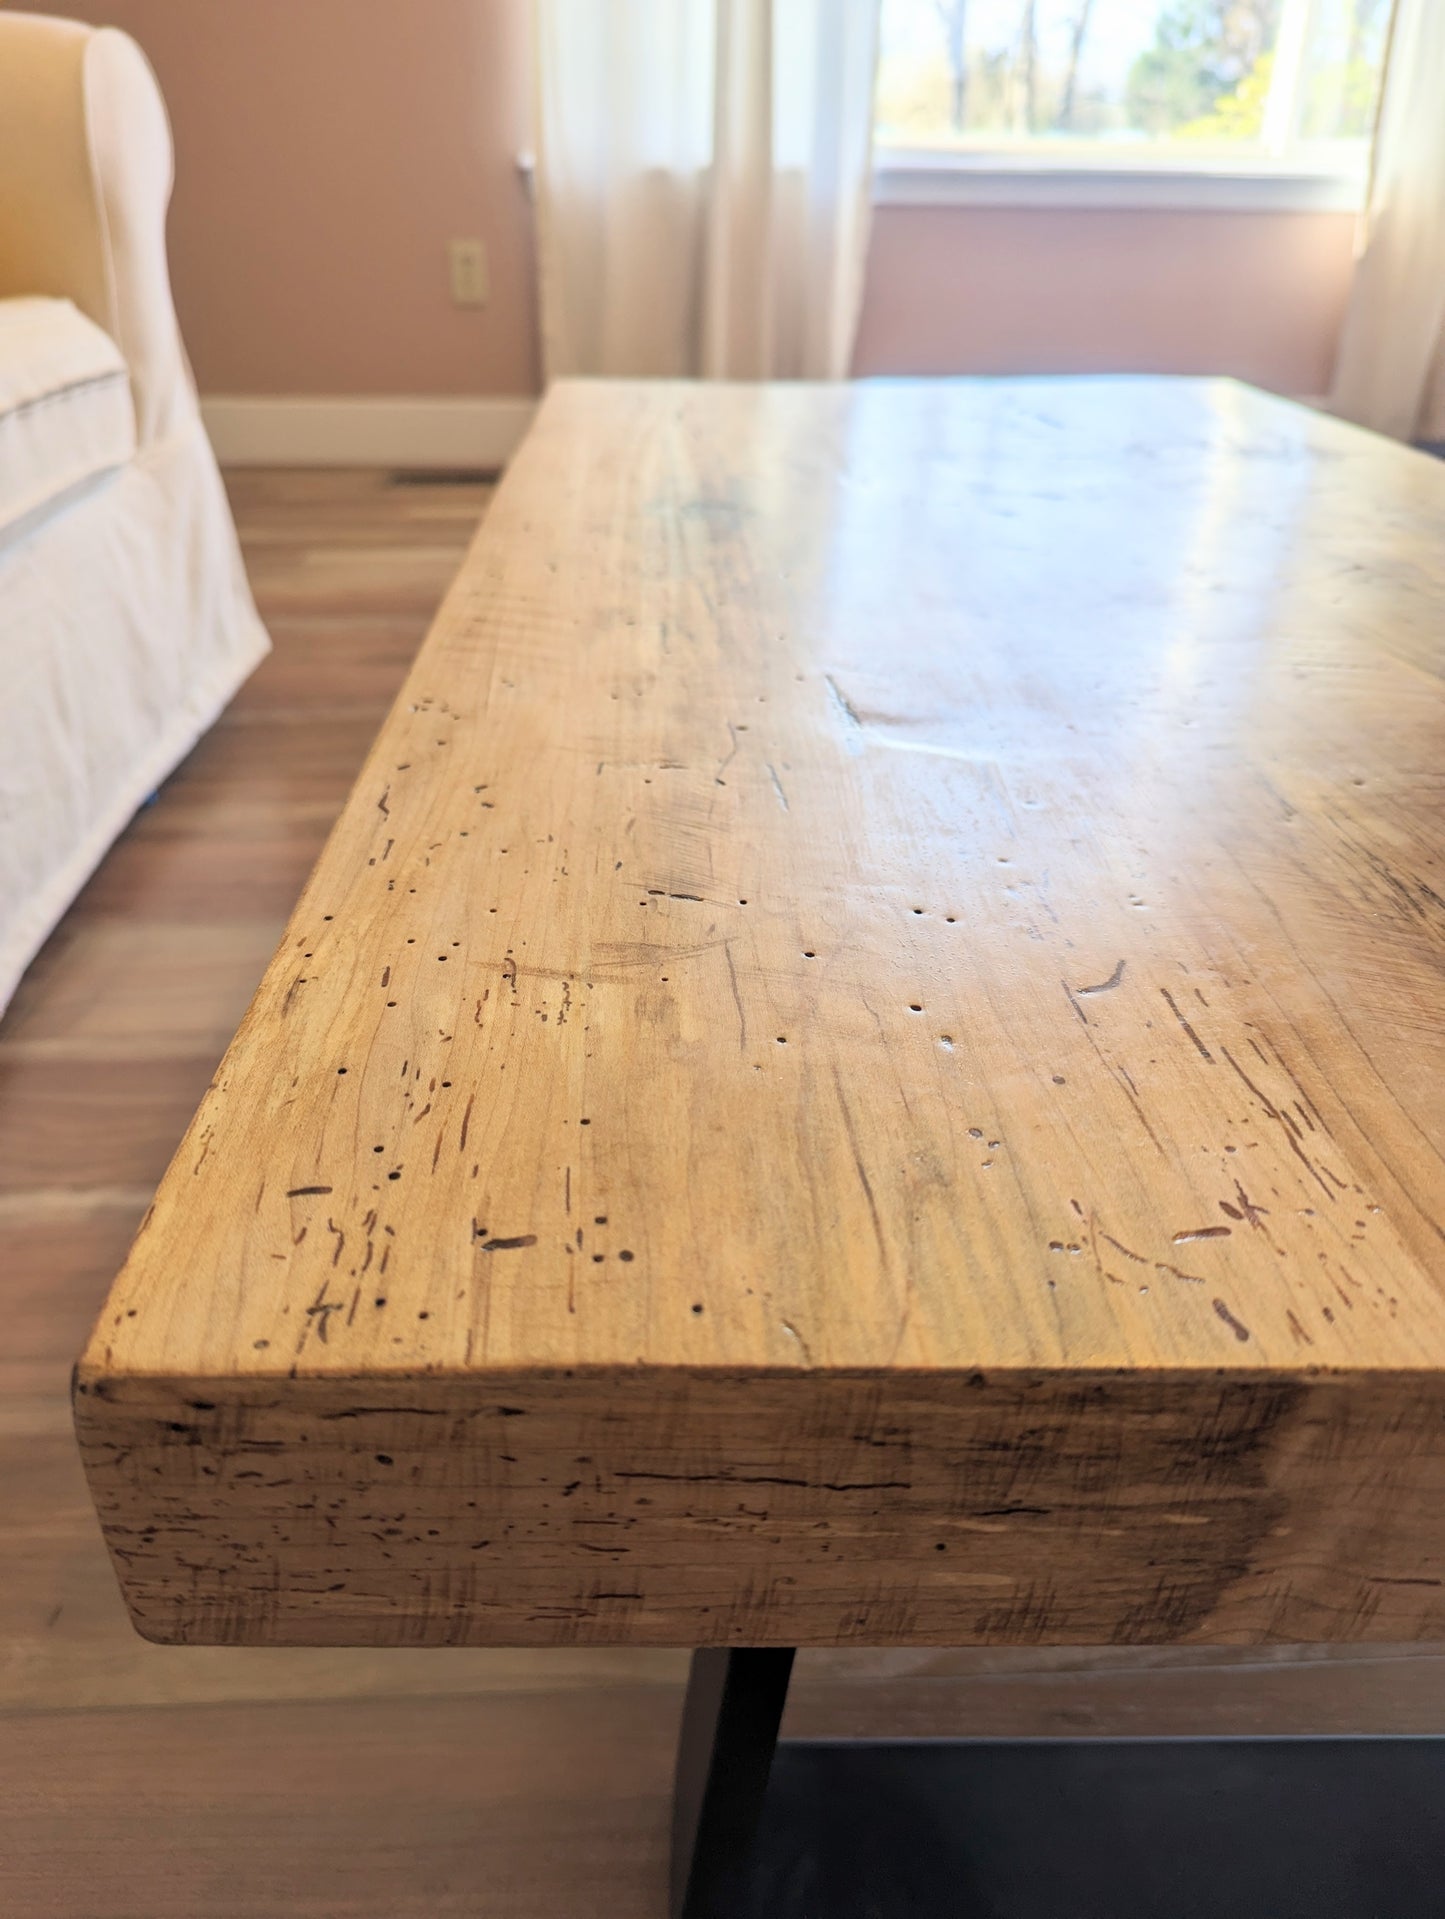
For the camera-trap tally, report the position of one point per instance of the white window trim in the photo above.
(904, 177)
(934, 177)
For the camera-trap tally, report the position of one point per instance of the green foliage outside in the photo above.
(1204, 52)
(1238, 115)
(1205, 77)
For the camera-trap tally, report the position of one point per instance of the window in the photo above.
(1129, 100)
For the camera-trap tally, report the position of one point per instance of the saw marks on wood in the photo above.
(281, 1765)
(911, 909)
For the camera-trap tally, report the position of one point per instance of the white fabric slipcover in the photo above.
(66, 416)
(125, 618)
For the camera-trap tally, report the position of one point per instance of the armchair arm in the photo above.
(85, 179)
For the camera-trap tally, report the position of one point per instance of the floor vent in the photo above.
(444, 476)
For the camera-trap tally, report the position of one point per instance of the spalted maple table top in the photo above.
(866, 1060)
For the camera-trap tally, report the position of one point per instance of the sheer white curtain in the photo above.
(703, 184)
(1390, 372)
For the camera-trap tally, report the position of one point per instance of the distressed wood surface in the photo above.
(350, 1779)
(863, 1064)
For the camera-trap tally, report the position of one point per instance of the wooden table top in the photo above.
(882, 982)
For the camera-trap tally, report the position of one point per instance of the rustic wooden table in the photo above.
(865, 1063)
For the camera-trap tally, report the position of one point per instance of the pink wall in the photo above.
(1034, 290)
(327, 150)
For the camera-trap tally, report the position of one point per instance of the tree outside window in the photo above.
(1279, 79)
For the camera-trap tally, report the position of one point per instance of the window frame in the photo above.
(1032, 177)
(1272, 175)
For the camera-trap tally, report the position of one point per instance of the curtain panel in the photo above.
(1390, 370)
(703, 176)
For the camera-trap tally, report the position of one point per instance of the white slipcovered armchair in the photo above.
(125, 619)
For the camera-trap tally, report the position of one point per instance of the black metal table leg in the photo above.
(1332, 1828)
(730, 1722)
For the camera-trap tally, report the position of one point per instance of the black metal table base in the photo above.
(730, 1722)
(1042, 1829)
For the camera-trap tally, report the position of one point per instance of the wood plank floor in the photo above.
(141, 1782)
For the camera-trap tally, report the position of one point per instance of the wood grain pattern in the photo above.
(124, 990)
(365, 1809)
(363, 1781)
(873, 1022)
(109, 1746)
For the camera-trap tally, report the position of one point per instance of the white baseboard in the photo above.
(365, 431)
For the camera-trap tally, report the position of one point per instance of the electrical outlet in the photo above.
(470, 286)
